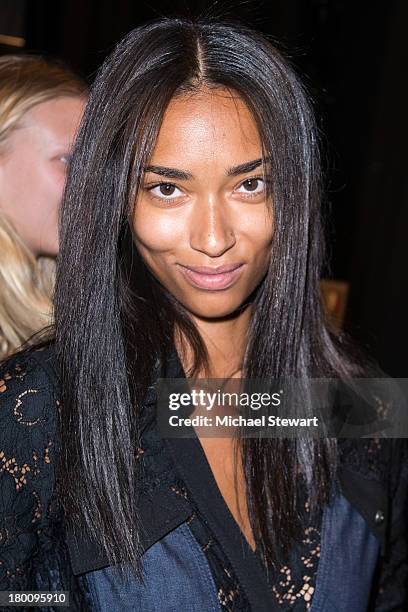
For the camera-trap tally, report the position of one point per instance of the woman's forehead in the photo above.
(207, 126)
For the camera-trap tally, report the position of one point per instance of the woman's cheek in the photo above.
(258, 228)
(158, 231)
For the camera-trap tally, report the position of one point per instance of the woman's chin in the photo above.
(215, 311)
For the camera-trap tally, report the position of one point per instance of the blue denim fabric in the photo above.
(177, 579)
(349, 553)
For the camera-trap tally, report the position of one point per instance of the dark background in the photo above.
(354, 59)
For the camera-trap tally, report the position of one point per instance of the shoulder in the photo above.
(376, 419)
(31, 373)
(29, 403)
(380, 460)
(369, 457)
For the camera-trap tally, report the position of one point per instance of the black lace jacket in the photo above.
(34, 554)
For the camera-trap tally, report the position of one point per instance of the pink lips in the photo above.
(212, 278)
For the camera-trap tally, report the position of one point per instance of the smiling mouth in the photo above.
(212, 279)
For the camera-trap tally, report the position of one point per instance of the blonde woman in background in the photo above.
(41, 103)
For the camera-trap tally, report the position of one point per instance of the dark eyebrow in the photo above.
(246, 167)
(171, 173)
(182, 175)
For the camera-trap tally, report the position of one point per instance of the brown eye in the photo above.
(167, 189)
(251, 184)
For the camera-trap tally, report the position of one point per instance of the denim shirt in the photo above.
(177, 575)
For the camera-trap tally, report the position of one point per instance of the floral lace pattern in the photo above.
(295, 584)
(230, 595)
(32, 555)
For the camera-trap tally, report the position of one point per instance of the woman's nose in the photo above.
(211, 229)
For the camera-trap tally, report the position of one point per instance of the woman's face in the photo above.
(202, 222)
(33, 168)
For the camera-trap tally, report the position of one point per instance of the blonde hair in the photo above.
(25, 290)
(26, 284)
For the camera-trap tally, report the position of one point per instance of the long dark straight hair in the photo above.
(113, 320)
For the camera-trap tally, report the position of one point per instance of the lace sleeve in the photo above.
(28, 416)
(392, 592)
